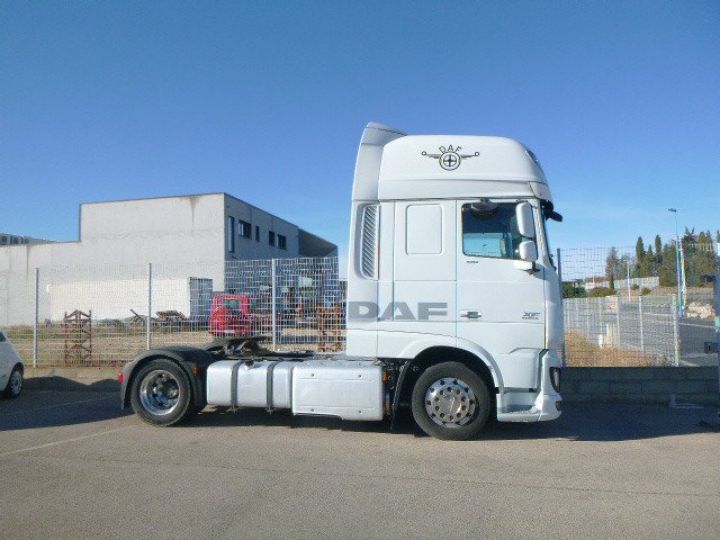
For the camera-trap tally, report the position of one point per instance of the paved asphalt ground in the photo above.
(71, 466)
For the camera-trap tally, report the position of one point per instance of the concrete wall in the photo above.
(162, 230)
(622, 284)
(165, 230)
(641, 385)
(250, 248)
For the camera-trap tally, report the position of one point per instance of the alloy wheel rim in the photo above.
(450, 402)
(159, 392)
(16, 383)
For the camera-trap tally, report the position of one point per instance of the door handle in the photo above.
(470, 314)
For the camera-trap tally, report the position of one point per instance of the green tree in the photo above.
(640, 269)
(650, 264)
(658, 245)
(612, 265)
(666, 267)
(703, 261)
(573, 290)
(639, 249)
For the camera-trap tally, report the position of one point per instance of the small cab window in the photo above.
(2, 337)
(282, 241)
(490, 230)
(271, 238)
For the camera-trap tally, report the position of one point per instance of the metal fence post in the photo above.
(36, 317)
(559, 267)
(716, 289)
(676, 329)
(619, 340)
(642, 324)
(148, 326)
(273, 289)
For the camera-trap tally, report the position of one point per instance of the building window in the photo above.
(257, 233)
(230, 234)
(271, 238)
(245, 229)
(282, 242)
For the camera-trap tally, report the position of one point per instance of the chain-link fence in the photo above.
(622, 307)
(640, 306)
(620, 331)
(105, 315)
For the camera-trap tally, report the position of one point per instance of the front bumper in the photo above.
(546, 405)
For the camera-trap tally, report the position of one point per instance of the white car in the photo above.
(11, 369)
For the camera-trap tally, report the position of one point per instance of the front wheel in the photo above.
(161, 393)
(450, 402)
(15, 384)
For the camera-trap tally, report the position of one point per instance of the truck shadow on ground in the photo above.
(47, 408)
(579, 422)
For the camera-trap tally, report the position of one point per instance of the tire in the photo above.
(15, 384)
(161, 393)
(451, 402)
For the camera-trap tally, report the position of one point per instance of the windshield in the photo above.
(546, 237)
(231, 304)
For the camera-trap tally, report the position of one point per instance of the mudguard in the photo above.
(194, 361)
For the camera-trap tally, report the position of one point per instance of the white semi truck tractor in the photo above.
(454, 305)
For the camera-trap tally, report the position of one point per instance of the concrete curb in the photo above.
(661, 385)
(93, 379)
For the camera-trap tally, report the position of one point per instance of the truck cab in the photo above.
(449, 259)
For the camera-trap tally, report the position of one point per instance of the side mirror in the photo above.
(528, 251)
(525, 221)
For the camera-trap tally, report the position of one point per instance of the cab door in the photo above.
(500, 298)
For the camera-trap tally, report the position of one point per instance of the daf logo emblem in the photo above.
(450, 158)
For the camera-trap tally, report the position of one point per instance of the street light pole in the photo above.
(678, 268)
(627, 264)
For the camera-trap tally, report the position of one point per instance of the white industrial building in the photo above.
(191, 242)
(7, 239)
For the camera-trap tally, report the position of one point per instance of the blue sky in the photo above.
(267, 100)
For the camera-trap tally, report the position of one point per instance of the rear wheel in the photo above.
(161, 393)
(15, 384)
(451, 402)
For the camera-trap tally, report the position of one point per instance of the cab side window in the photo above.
(2, 337)
(490, 230)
